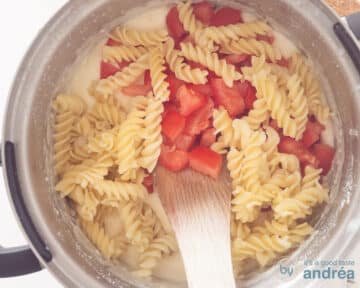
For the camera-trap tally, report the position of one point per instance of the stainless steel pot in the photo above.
(57, 243)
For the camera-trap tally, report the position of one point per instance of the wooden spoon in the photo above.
(198, 208)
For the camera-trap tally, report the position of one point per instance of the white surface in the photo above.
(20, 20)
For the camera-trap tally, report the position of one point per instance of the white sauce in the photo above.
(87, 70)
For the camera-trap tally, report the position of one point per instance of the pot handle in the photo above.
(353, 21)
(20, 260)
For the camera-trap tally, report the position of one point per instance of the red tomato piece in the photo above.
(147, 77)
(204, 12)
(248, 93)
(172, 159)
(148, 182)
(274, 125)
(206, 161)
(312, 133)
(226, 16)
(112, 42)
(173, 125)
(136, 90)
(175, 27)
(229, 97)
(195, 65)
(283, 62)
(174, 85)
(199, 120)
(325, 154)
(291, 146)
(208, 137)
(185, 142)
(267, 38)
(187, 39)
(107, 69)
(237, 58)
(202, 88)
(189, 100)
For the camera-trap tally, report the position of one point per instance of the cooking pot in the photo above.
(55, 242)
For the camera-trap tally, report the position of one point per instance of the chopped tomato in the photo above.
(175, 84)
(195, 65)
(237, 58)
(248, 93)
(148, 182)
(173, 125)
(312, 133)
(175, 27)
(267, 38)
(291, 146)
(274, 125)
(147, 77)
(136, 90)
(229, 97)
(325, 154)
(187, 39)
(112, 42)
(189, 100)
(168, 106)
(107, 69)
(204, 12)
(172, 159)
(283, 62)
(202, 88)
(226, 16)
(199, 120)
(185, 142)
(208, 137)
(206, 161)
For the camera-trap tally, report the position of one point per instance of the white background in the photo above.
(20, 20)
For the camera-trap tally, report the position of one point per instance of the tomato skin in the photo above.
(206, 161)
(112, 42)
(312, 133)
(185, 142)
(237, 58)
(202, 88)
(173, 125)
(266, 38)
(226, 16)
(174, 85)
(107, 69)
(248, 93)
(283, 62)
(172, 159)
(136, 90)
(325, 154)
(148, 182)
(147, 77)
(189, 100)
(200, 119)
(208, 137)
(228, 97)
(204, 12)
(174, 25)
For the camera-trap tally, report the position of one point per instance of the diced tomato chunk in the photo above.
(291, 146)
(172, 159)
(273, 124)
(173, 125)
(175, 27)
(147, 77)
(107, 69)
(185, 142)
(136, 90)
(199, 120)
(208, 137)
(203, 11)
(267, 38)
(196, 65)
(248, 93)
(175, 84)
(283, 62)
(168, 106)
(148, 182)
(325, 154)
(228, 97)
(202, 88)
(112, 42)
(206, 161)
(237, 58)
(189, 100)
(312, 133)
(226, 16)
(188, 38)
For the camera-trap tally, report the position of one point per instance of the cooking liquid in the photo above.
(87, 70)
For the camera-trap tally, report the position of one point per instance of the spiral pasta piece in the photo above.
(79, 151)
(219, 146)
(267, 89)
(131, 216)
(182, 70)
(211, 61)
(252, 47)
(223, 125)
(104, 89)
(134, 37)
(117, 54)
(158, 76)
(188, 19)
(299, 107)
(88, 208)
(258, 115)
(272, 141)
(152, 137)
